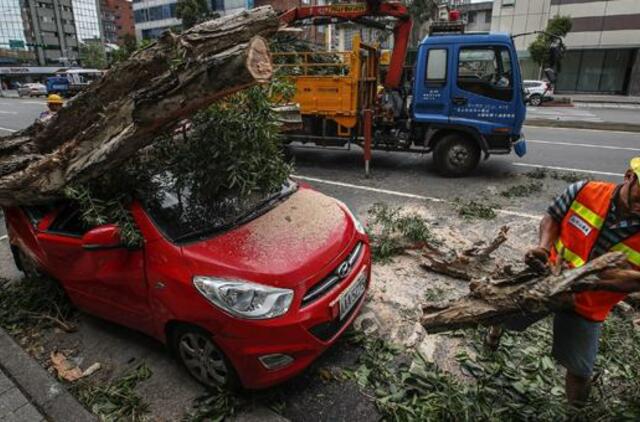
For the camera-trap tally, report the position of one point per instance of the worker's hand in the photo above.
(537, 259)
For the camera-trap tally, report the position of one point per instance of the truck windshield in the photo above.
(184, 218)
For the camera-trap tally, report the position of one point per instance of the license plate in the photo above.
(353, 293)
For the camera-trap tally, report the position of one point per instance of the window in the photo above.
(436, 67)
(486, 71)
(471, 17)
(508, 2)
(140, 15)
(69, 222)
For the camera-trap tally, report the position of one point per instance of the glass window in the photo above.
(140, 15)
(590, 71)
(614, 71)
(486, 71)
(436, 66)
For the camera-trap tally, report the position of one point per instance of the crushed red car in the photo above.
(245, 298)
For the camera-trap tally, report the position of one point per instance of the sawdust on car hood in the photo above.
(291, 242)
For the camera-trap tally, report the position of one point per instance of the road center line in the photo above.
(3, 237)
(539, 166)
(403, 194)
(8, 112)
(536, 141)
(7, 129)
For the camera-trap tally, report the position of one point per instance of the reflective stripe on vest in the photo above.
(588, 215)
(633, 256)
(568, 255)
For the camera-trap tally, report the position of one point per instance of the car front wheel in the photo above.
(455, 155)
(535, 100)
(201, 357)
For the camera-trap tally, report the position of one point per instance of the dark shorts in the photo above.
(575, 343)
(575, 340)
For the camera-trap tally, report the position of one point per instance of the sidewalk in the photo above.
(14, 406)
(604, 101)
(29, 393)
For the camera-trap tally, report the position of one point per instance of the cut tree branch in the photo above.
(469, 264)
(134, 102)
(492, 301)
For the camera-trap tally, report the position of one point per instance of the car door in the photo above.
(109, 282)
(431, 92)
(483, 95)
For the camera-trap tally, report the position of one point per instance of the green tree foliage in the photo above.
(192, 12)
(128, 46)
(540, 47)
(93, 55)
(230, 154)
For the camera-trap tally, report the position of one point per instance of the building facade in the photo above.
(117, 20)
(603, 45)
(88, 20)
(50, 29)
(476, 15)
(153, 17)
(13, 40)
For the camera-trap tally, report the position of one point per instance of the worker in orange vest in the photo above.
(588, 220)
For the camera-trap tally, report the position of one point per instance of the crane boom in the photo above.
(358, 12)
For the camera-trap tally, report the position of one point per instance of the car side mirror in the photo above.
(550, 75)
(106, 236)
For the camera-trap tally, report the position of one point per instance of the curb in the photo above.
(47, 394)
(622, 127)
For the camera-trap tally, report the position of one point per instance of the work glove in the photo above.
(537, 259)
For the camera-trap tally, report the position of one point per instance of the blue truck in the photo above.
(461, 98)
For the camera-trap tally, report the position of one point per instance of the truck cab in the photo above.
(467, 99)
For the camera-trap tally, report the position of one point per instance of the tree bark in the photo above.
(472, 263)
(492, 301)
(135, 102)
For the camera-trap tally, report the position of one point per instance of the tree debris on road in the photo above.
(492, 301)
(466, 265)
(134, 102)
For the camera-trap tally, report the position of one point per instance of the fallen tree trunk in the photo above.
(472, 263)
(493, 301)
(133, 103)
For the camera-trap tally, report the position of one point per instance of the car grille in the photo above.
(327, 330)
(341, 271)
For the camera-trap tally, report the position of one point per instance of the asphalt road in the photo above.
(397, 177)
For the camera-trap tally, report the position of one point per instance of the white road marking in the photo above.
(536, 141)
(7, 129)
(623, 132)
(403, 194)
(8, 112)
(3, 237)
(540, 166)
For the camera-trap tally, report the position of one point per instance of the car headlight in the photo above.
(356, 222)
(244, 299)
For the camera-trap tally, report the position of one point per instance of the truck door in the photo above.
(431, 89)
(483, 94)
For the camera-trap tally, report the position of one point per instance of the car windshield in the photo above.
(183, 218)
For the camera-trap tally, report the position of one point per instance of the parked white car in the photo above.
(537, 92)
(32, 90)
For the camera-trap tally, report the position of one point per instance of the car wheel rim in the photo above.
(535, 101)
(203, 359)
(458, 156)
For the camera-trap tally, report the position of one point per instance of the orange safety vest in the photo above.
(579, 232)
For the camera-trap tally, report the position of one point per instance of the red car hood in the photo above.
(290, 243)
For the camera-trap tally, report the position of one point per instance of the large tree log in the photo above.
(134, 102)
(493, 301)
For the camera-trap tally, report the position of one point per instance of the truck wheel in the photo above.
(456, 156)
(204, 361)
(535, 100)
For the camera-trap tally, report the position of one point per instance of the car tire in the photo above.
(535, 100)
(202, 358)
(456, 155)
